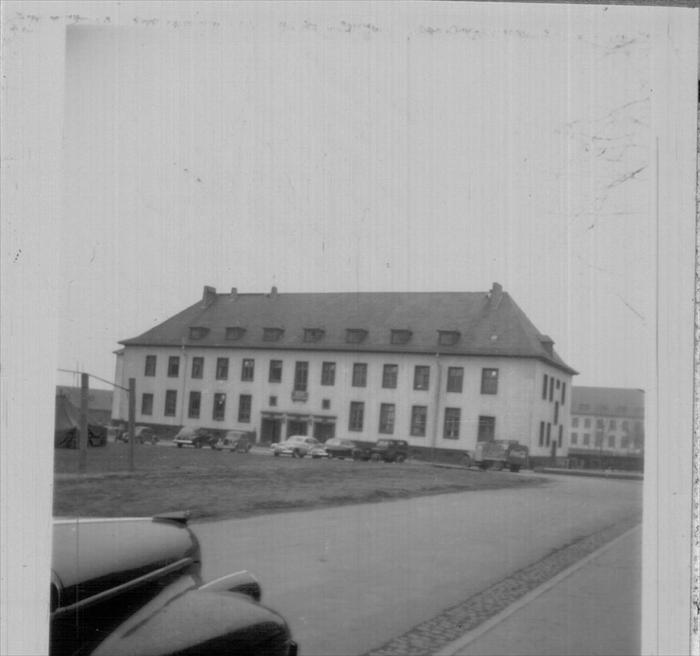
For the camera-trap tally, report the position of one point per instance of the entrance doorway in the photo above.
(297, 427)
(271, 430)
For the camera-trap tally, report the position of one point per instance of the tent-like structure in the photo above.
(67, 426)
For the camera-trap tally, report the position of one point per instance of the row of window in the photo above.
(604, 409)
(390, 373)
(387, 414)
(546, 436)
(312, 335)
(600, 423)
(625, 441)
(549, 383)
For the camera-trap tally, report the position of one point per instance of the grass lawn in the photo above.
(212, 484)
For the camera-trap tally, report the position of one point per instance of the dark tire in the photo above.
(400, 458)
(466, 460)
(497, 466)
(300, 454)
(197, 445)
(375, 457)
(515, 468)
(274, 453)
(179, 446)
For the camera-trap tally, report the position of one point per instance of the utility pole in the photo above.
(132, 415)
(83, 435)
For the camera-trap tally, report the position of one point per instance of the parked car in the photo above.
(299, 446)
(388, 450)
(142, 434)
(196, 437)
(338, 447)
(235, 441)
(136, 590)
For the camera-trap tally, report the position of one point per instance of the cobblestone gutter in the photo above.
(453, 623)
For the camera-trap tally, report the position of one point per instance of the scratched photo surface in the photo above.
(529, 154)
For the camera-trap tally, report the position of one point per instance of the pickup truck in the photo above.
(498, 454)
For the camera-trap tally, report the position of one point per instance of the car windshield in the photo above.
(383, 443)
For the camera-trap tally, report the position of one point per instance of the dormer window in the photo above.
(355, 335)
(313, 334)
(272, 334)
(448, 337)
(401, 336)
(234, 332)
(198, 332)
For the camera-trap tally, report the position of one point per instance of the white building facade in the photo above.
(328, 366)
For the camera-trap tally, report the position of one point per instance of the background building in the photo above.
(442, 370)
(607, 427)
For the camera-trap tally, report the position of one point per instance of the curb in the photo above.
(454, 647)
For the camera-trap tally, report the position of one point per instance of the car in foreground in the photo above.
(196, 437)
(338, 447)
(132, 587)
(387, 450)
(299, 446)
(142, 435)
(236, 441)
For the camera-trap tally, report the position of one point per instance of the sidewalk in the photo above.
(593, 607)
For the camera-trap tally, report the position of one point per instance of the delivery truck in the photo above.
(498, 454)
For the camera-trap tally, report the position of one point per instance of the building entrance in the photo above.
(297, 427)
(271, 430)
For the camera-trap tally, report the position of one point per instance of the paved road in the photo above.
(349, 579)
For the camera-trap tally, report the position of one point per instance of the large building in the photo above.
(607, 427)
(442, 370)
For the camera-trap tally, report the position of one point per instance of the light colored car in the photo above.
(235, 441)
(299, 446)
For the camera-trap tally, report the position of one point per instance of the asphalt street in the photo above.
(350, 579)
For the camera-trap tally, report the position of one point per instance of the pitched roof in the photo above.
(613, 401)
(488, 323)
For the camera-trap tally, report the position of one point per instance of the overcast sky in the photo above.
(344, 147)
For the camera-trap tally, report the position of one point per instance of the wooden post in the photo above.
(132, 415)
(83, 434)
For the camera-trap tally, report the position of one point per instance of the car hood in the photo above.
(99, 553)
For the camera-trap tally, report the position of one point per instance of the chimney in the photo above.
(234, 293)
(273, 292)
(208, 295)
(547, 344)
(495, 295)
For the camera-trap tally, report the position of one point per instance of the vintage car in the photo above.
(196, 437)
(236, 441)
(132, 587)
(338, 447)
(387, 450)
(299, 446)
(142, 435)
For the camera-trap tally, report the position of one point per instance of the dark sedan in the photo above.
(132, 587)
(196, 437)
(340, 448)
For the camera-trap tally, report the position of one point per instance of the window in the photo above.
(194, 406)
(624, 442)
(544, 387)
(586, 439)
(272, 334)
(198, 332)
(489, 381)
(401, 336)
(421, 377)
(170, 403)
(611, 441)
(386, 418)
(357, 416)
(574, 422)
(275, 375)
(221, 368)
(328, 373)
(147, 404)
(587, 422)
(558, 383)
(313, 334)
(563, 393)
(487, 429)
(560, 439)
(549, 434)
(248, 369)
(599, 438)
(197, 367)
(625, 425)
(390, 375)
(452, 420)
(273, 401)
(551, 388)
(234, 332)
(455, 377)
(150, 369)
(245, 401)
(219, 409)
(574, 438)
(359, 374)
(355, 335)
(556, 412)
(419, 420)
(599, 423)
(173, 366)
(613, 424)
(448, 337)
(301, 376)
(584, 407)
(541, 433)
(326, 404)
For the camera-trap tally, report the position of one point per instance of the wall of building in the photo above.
(517, 406)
